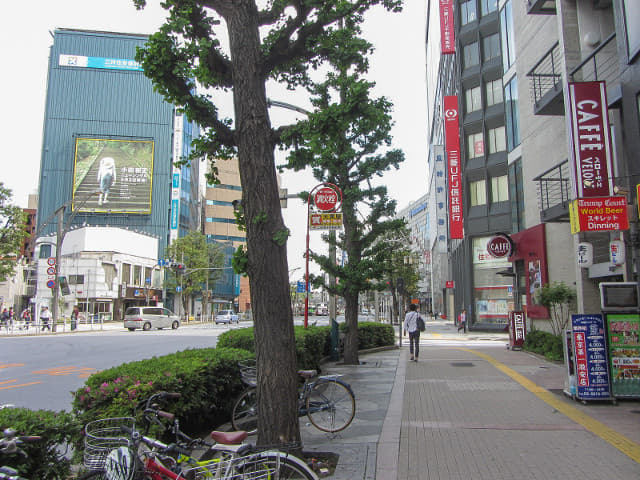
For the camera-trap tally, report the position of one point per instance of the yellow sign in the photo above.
(325, 221)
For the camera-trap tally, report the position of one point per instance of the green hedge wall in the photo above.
(544, 343)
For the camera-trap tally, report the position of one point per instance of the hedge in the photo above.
(544, 343)
(45, 459)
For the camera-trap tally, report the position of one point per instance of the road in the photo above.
(41, 371)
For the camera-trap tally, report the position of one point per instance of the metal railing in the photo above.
(601, 64)
(554, 187)
(546, 75)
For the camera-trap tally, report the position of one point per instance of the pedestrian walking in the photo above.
(462, 321)
(411, 326)
(4, 318)
(75, 316)
(45, 316)
(26, 317)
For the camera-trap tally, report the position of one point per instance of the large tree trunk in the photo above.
(351, 337)
(268, 270)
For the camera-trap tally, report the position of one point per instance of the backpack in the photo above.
(420, 322)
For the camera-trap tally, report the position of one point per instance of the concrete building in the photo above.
(512, 66)
(108, 147)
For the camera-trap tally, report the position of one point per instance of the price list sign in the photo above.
(590, 350)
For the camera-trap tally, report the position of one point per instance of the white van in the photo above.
(147, 318)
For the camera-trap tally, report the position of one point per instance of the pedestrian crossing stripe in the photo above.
(617, 440)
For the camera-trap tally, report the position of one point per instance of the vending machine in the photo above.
(621, 310)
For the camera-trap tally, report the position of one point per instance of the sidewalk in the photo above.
(472, 409)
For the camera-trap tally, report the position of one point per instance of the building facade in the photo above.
(107, 162)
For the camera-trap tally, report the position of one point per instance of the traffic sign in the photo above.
(301, 287)
(51, 283)
(326, 199)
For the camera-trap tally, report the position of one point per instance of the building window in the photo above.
(478, 193)
(76, 279)
(499, 189)
(475, 145)
(488, 6)
(491, 47)
(467, 11)
(496, 139)
(492, 293)
(137, 275)
(473, 99)
(507, 36)
(45, 250)
(516, 196)
(631, 11)
(493, 90)
(512, 114)
(471, 57)
(126, 273)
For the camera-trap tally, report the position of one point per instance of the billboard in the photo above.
(447, 27)
(454, 172)
(113, 176)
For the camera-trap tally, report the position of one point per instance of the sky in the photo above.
(397, 66)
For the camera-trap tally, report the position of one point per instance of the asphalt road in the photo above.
(40, 372)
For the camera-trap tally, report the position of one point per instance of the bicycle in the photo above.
(9, 445)
(112, 456)
(327, 401)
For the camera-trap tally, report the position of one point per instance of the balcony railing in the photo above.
(601, 64)
(554, 193)
(545, 81)
(541, 7)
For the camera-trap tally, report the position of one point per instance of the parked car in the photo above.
(147, 318)
(226, 316)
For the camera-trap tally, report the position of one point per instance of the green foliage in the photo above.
(240, 261)
(45, 459)
(12, 233)
(558, 298)
(207, 379)
(372, 335)
(544, 343)
(280, 237)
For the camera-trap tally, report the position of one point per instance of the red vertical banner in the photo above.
(591, 142)
(454, 174)
(447, 31)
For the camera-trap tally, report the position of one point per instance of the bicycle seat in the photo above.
(307, 373)
(229, 438)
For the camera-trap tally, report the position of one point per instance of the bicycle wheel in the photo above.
(331, 405)
(245, 412)
(273, 465)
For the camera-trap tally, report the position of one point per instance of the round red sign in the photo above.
(499, 246)
(326, 199)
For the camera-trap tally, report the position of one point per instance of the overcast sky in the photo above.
(397, 67)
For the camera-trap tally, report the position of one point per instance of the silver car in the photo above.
(147, 318)
(226, 316)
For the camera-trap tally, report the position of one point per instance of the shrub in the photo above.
(207, 378)
(45, 459)
(544, 343)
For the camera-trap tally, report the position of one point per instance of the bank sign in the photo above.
(591, 140)
(602, 214)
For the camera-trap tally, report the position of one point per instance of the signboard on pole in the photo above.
(454, 175)
(601, 214)
(325, 221)
(590, 137)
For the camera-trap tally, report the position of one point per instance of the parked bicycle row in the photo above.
(127, 448)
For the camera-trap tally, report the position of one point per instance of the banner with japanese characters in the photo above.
(590, 355)
(623, 330)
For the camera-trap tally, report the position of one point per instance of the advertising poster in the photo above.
(114, 175)
(624, 353)
(590, 355)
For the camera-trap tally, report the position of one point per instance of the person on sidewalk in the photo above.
(462, 321)
(45, 316)
(411, 326)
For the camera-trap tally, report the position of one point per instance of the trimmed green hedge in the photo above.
(544, 343)
(45, 460)
(207, 378)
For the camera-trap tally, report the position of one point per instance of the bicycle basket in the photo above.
(250, 467)
(103, 436)
(248, 372)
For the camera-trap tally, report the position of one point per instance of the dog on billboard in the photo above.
(106, 178)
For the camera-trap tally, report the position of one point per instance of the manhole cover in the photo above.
(462, 364)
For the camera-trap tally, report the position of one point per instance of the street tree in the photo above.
(346, 141)
(277, 40)
(202, 263)
(12, 233)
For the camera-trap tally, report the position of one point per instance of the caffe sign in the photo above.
(500, 246)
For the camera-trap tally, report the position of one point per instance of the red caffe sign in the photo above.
(326, 199)
(499, 246)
